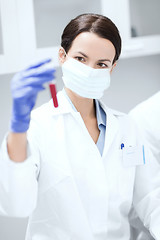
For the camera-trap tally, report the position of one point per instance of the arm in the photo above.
(17, 146)
(146, 200)
(25, 87)
(18, 182)
(19, 169)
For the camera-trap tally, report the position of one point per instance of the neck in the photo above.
(85, 106)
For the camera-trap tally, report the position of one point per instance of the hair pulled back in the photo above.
(95, 23)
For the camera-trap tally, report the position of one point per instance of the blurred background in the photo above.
(30, 30)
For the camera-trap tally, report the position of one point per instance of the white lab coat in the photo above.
(147, 117)
(68, 189)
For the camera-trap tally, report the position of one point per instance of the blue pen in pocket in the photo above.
(122, 145)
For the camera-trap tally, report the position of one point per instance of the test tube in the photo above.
(53, 92)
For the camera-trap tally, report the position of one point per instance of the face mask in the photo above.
(85, 81)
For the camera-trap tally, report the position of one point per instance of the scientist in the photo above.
(77, 170)
(147, 117)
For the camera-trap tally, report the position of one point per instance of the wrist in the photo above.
(19, 125)
(17, 146)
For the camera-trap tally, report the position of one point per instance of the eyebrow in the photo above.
(100, 60)
(103, 60)
(83, 54)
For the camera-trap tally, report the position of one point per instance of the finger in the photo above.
(38, 64)
(37, 72)
(32, 82)
(36, 81)
(23, 93)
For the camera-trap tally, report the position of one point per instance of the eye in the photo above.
(103, 65)
(80, 59)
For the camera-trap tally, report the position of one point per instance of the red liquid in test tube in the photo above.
(53, 92)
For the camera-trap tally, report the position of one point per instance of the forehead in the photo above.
(93, 46)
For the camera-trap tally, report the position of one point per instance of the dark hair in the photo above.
(95, 23)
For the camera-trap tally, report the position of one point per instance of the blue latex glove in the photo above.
(25, 86)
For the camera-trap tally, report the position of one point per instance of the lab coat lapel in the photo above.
(112, 127)
(63, 105)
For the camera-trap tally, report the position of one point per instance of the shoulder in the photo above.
(110, 110)
(151, 106)
(42, 111)
(147, 113)
(123, 120)
(120, 116)
(48, 110)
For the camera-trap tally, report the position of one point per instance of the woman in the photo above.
(76, 170)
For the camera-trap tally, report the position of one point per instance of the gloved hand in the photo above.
(25, 86)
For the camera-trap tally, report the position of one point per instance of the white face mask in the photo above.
(84, 80)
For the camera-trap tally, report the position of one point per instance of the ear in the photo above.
(114, 65)
(61, 55)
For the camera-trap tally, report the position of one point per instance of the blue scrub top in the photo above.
(101, 120)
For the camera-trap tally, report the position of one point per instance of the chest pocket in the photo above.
(133, 156)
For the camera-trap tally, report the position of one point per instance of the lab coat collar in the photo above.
(112, 126)
(65, 107)
(109, 110)
(101, 116)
